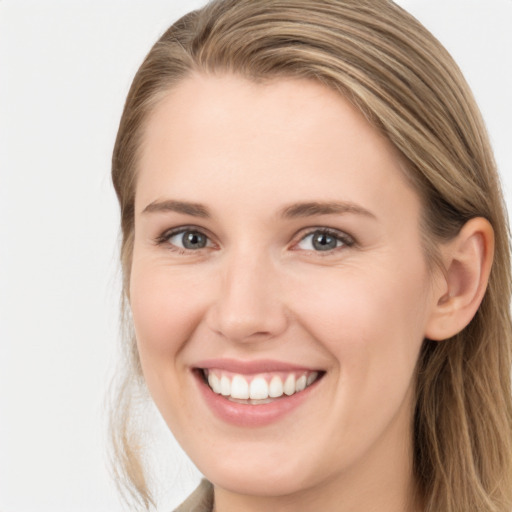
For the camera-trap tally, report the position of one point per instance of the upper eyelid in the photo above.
(168, 233)
(182, 229)
(342, 235)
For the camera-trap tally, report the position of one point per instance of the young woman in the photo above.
(316, 263)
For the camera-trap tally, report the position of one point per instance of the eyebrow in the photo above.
(313, 208)
(171, 205)
(293, 211)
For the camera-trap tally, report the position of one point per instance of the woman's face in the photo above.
(277, 246)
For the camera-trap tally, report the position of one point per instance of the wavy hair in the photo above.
(406, 84)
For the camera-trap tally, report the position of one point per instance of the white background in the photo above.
(65, 69)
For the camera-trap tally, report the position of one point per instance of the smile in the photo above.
(255, 393)
(258, 388)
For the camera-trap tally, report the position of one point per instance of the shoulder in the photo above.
(201, 500)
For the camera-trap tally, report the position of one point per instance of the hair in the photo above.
(406, 84)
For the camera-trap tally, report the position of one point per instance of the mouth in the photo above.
(258, 388)
(256, 393)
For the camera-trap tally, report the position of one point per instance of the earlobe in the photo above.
(467, 262)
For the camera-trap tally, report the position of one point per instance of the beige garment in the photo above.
(201, 500)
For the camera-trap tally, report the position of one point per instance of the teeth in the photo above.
(239, 388)
(258, 387)
(300, 384)
(276, 387)
(289, 385)
(225, 386)
(311, 378)
(214, 382)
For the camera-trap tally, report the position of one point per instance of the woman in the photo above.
(315, 259)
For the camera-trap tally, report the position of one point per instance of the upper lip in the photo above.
(251, 367)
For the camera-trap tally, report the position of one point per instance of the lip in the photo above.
(247, 415)
(251, 367)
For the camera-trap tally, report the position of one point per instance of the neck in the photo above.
(333, 497)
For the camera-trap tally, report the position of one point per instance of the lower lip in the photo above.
(246, 415)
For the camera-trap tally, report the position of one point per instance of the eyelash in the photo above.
(345, 239)
(163, 239)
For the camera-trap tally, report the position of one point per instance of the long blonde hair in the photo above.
(407, 85)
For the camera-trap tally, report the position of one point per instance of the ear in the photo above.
(467, 264)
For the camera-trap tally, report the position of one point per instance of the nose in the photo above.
(249, 304)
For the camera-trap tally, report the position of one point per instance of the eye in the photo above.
(186, 239)
(324, 240)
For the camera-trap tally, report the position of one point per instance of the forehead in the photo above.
(220, 137)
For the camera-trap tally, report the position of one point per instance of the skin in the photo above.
(260, 290)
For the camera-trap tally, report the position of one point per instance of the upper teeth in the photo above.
(258, 387)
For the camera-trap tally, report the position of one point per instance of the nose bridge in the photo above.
(249, 304)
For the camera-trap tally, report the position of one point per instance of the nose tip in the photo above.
(249, 319)
(249, 307)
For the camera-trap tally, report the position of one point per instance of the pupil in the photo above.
(324, 242)
(194, 240)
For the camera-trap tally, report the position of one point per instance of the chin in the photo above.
(247, 481)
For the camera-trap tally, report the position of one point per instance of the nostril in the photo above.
(246, 329)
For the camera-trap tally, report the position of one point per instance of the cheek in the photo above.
(367, 319)
(165, 309)
(373, 328)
